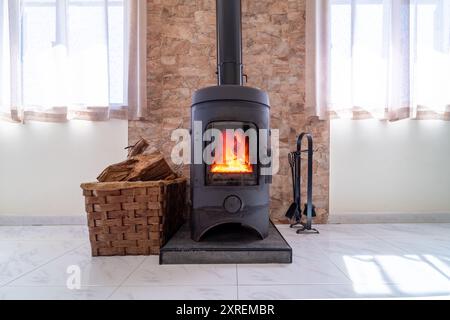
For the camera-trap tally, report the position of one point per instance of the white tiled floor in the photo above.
(344, 261)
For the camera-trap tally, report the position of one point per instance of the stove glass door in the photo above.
(233, 154)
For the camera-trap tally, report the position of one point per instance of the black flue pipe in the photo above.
(229, 42)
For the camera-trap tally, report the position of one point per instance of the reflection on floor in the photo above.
(344, 261)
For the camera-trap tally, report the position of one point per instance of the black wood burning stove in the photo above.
(233, 186)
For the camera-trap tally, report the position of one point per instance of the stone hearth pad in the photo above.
(227, 245)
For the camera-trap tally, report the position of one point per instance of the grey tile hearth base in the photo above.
(227, 245)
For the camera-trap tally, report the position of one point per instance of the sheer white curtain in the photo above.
(137, 72)
(388, 59)
(66, 59)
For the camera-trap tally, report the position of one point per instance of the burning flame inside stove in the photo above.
(235, 155)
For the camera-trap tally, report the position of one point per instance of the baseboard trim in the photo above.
(42, 220)
(334, 218)
(389, 217)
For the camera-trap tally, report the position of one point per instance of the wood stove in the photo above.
(233, 186)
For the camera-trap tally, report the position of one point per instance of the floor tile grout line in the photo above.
(323, 284)
(17, 236)
(130, 286)
(400, 248)
(320, 249)
(127, 277)
(311, 284)
(401, 237)
(42, 265)
(392, 245)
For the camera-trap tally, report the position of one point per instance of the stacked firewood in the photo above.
(139, 167)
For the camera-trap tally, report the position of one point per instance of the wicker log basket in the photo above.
(133, 218)
(136, 206)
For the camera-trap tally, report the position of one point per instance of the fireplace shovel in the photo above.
(294, 211)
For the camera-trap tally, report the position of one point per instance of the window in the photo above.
(73, 52)
(63, 54)
(431, 34)
(386, 58)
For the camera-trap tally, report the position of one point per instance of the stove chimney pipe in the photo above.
(229, 42)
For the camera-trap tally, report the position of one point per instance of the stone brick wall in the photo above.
(182, 59)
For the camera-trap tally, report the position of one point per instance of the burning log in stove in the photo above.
(235, 156)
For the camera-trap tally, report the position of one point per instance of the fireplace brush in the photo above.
(295, 211)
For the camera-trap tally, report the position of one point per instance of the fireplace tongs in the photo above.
(295, 211)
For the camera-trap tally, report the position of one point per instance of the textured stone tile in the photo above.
(182, 58)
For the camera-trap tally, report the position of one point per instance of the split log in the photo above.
(151, 167)
(117, 172)
(138, 148)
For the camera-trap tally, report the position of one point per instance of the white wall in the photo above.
(42, 165)
(401, 167)
(379, 167)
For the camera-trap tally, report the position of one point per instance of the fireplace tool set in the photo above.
(295, 211)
